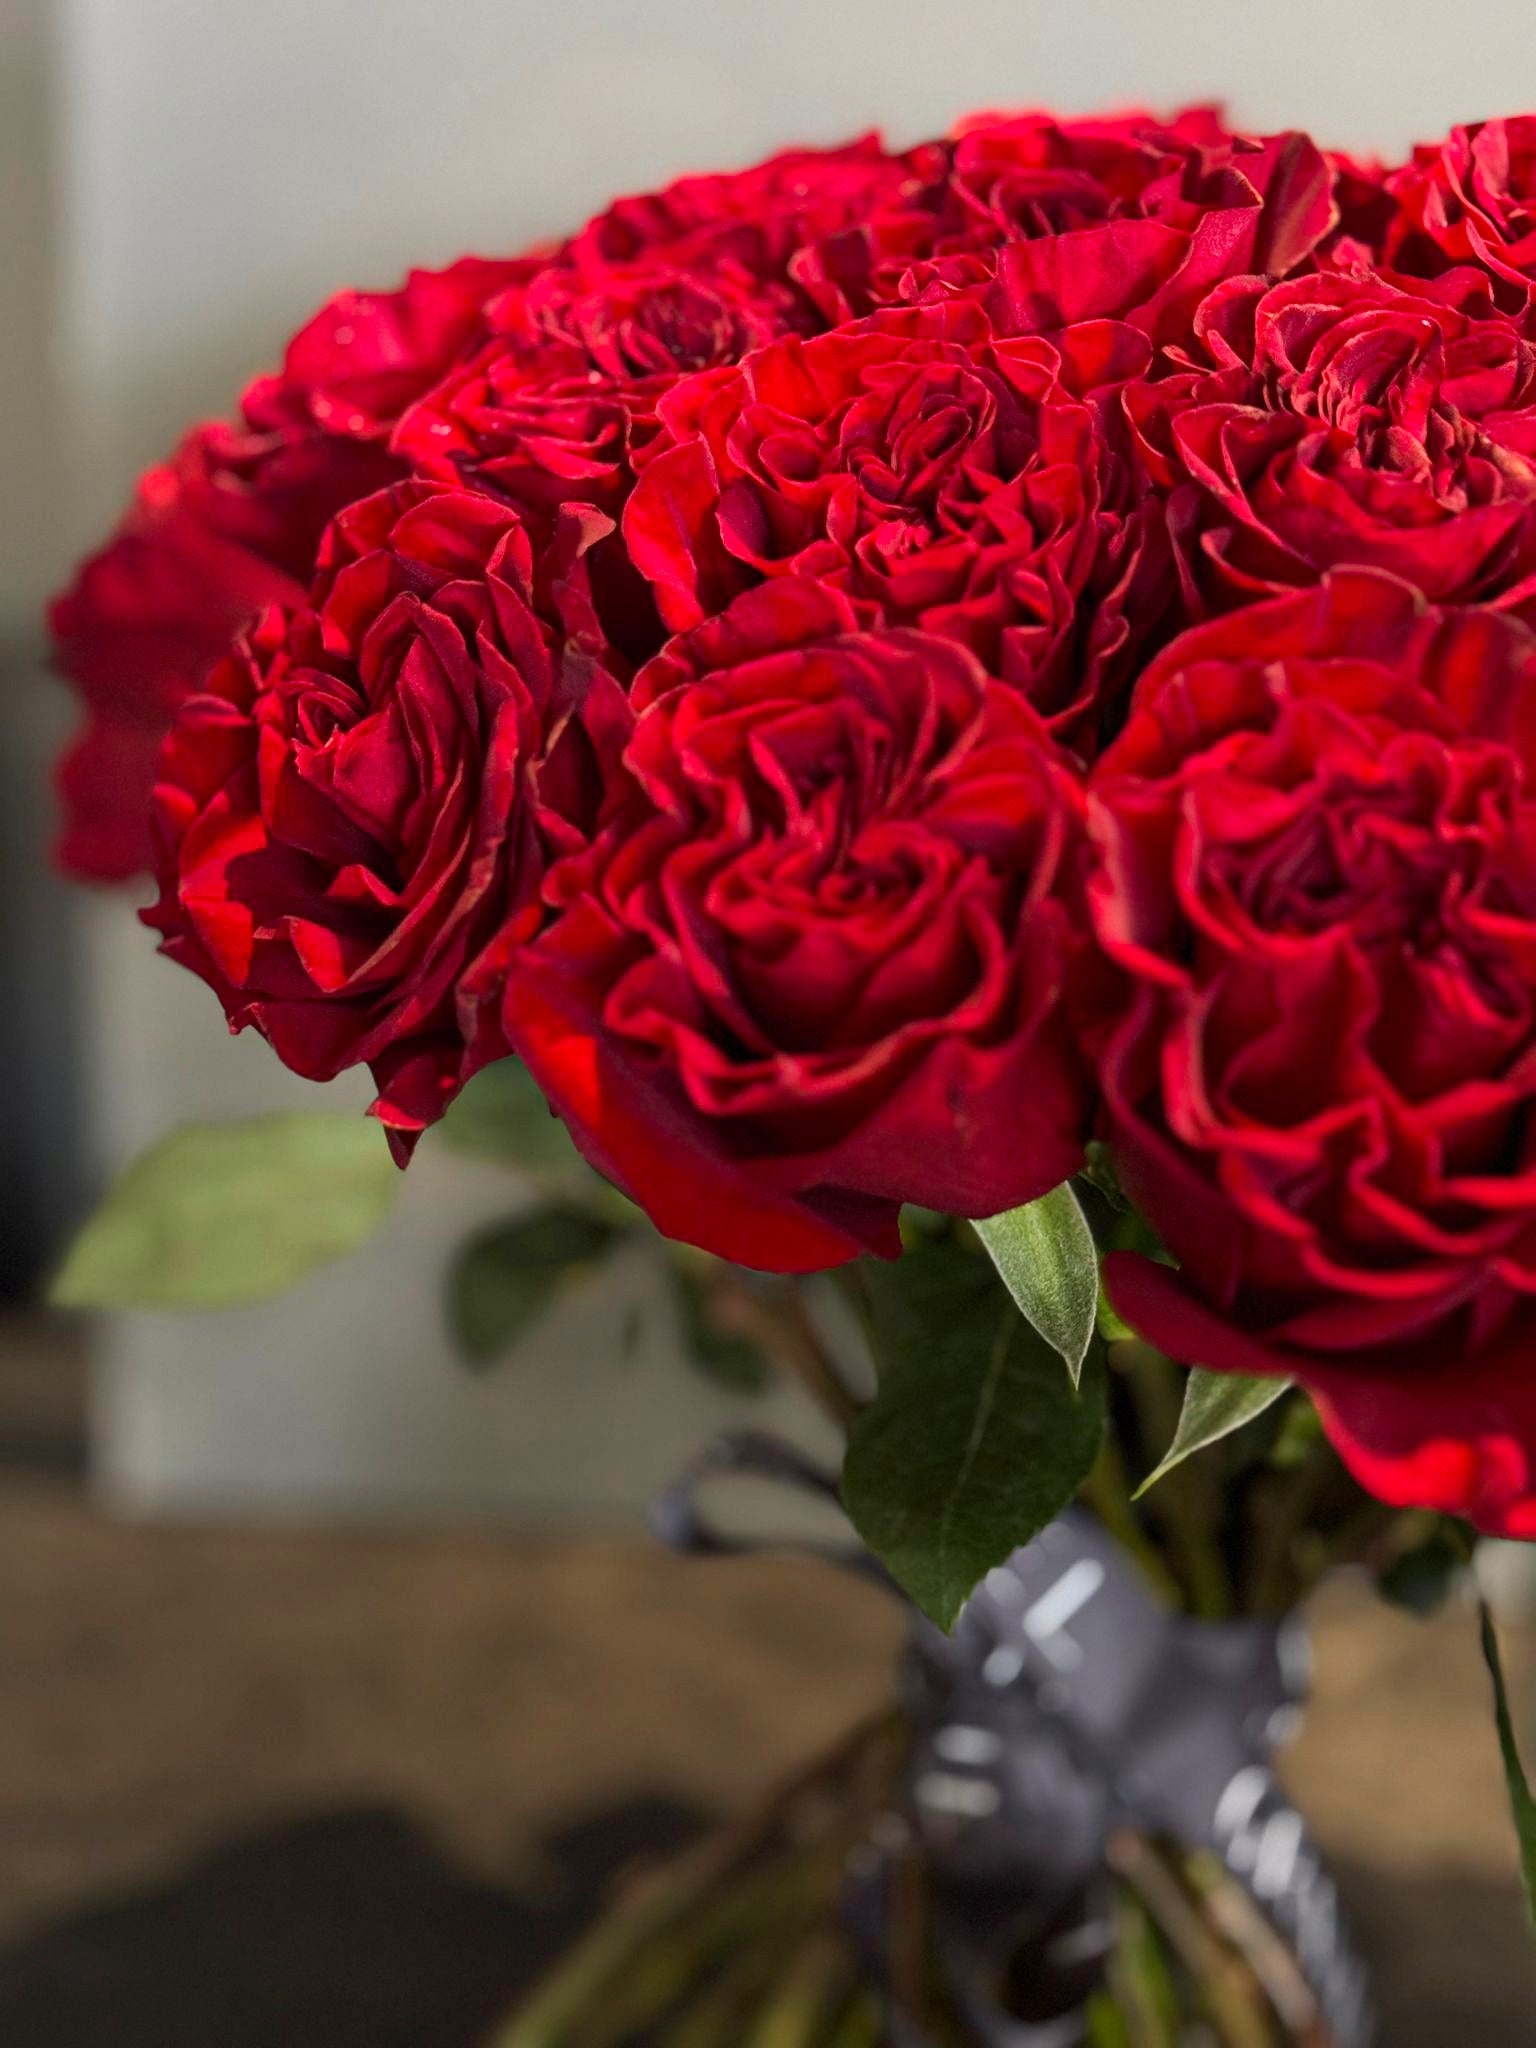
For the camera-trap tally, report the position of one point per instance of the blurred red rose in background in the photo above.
(1471, 199)
(232, 523)
(229, 524)
(1224, 204)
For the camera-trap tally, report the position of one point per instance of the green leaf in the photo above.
(1098, 1169)
(724, 1354)
(1422, 1577)
(1521, 1804)
(502, 1116)
(217, 1215)
(1113, 1327)
(505, 1277)
(1215, 1404)
(1046, 1255)
(976, 1439)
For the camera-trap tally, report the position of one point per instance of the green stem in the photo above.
(1182, 1500)
(809, 1359)
(1285, 1512)
(1108, 1492)
(1238, 2008)
(805, 2003)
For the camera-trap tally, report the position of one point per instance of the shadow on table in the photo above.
(351, 1930)
(348, 1930)
(1450, 1955)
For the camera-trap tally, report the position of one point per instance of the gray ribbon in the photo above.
(1067, 1704)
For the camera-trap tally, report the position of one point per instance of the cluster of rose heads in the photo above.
(870, 671)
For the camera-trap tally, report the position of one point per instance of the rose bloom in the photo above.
(1346, 418)
(1222, 203)
(814, 966)
(353, 814)
(788, 203)
(1367, 213)
(944, 479)
(1314, 866)
(558, 404)
(1470, 199)
(230, 524)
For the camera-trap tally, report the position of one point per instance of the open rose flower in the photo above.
(558, 400)
(1471, 199)
(941, 478)
(1315, 868)
(759, 218)
(354, 367)
(354, 812)
(557, 405)
(814, 965)
(231, 523)
(1221, 203)
(1347, 418)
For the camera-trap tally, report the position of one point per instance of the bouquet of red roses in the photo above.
(995, 681)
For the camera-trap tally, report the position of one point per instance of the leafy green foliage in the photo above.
(716, 1342)
(1045, 1253)
(1113, 1327)
(218, 1215)
(976, 1439)
(1098, 1169)
(503, 1279)
(502, 1116)
(1215, 1404)
(1522, 1805)
(1421, 1577)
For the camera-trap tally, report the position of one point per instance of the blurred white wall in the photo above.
(221, 166)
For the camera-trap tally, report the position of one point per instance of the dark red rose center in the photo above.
(1417, 867)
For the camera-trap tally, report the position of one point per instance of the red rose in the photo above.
(1315, 867)
(1367, 213)
(230, 524)
(365, 356)
(558, 405)
(1225, 203)
(943, 479)
(1347, 418)
(813, 966)
(729, 218)
(356, 807)
(1471, 199)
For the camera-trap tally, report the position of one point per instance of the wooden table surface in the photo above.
(275, 1787)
